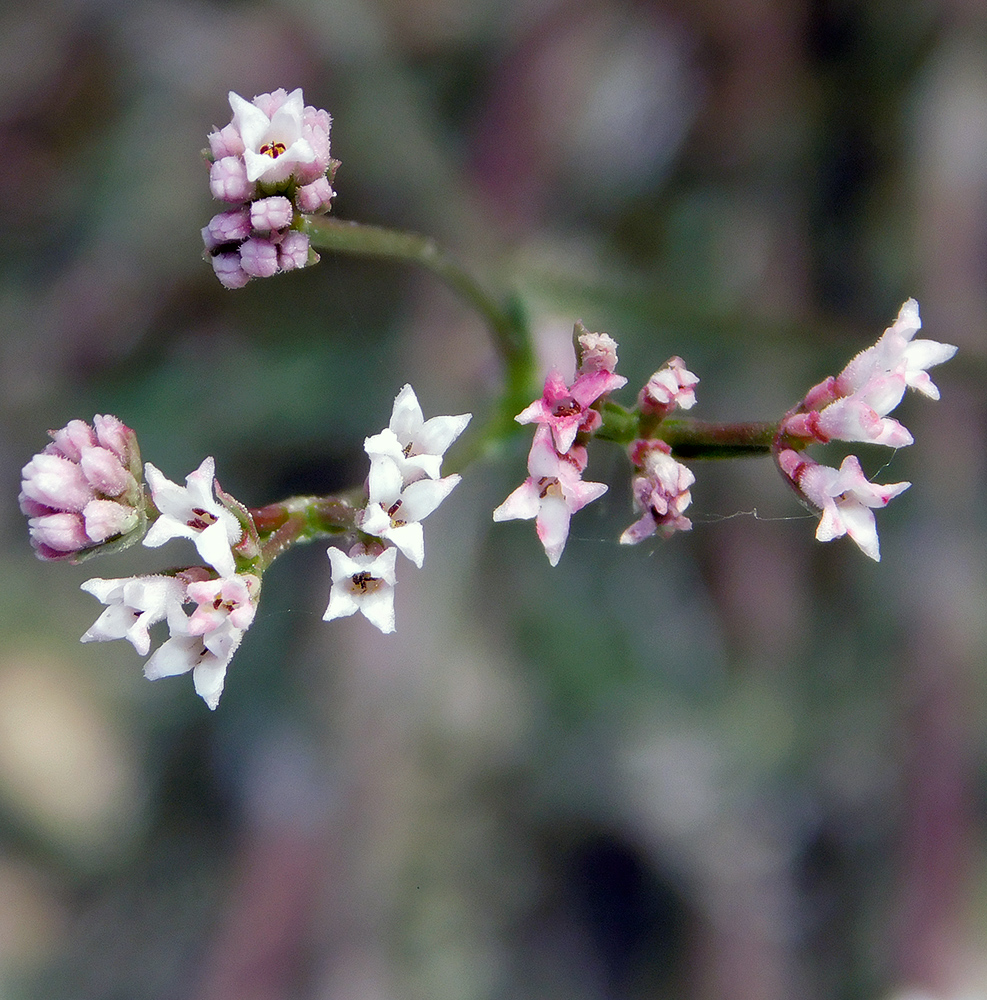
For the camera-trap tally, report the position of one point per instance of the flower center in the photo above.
(549, 486)
(365, 582)
(202, 519)
(272, 149)
(566, 407)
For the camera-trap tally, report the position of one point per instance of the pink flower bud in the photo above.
(673, 385)
(71, 439)
(259, 257)
(104, 472)
(56, 482)
(228, 180)
(226, 142)
(272, 213)
(228, 270)
(228, 227)
(106, 518)
(56, 536)
(315, 197)
(76, 504)
(293, 251)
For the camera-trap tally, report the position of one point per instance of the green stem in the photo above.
(706, 439)
(301, 519)
(506, 321)
(510, 334)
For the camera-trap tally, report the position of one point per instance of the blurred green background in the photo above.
(736, 765)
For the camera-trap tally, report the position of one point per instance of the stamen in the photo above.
(272, 149)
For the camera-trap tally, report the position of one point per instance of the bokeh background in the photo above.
(738, 764)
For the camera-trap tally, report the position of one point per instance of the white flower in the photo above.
(845, 496)
(192, 512)
(393, 510)
(414, 444)
(896, 353)
(363, 581)
(207, 656)
(272, 146)
(134, 604)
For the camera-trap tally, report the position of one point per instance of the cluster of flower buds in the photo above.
(854, 406)
(84, 489)
(272, 164)
(404, 486)
(567, 417)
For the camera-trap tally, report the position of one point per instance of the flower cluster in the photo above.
(567, 416)
(854, 406)
(83, 490)
(404, 486)
(224, 599)
(272, 164)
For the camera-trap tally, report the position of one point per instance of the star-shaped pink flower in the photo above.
(551, 494)
(566, 409)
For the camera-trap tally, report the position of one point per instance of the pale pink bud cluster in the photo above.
(854, 406)
(672, 386)
(661, 492)
(554, 489)
(84, 489)
(272, 164)
(404, 486)
(202, 642)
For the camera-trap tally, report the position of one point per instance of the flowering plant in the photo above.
(87, 493)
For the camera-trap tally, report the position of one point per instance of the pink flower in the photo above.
(854, 406)
(566, 410)
(273, 162)
(845, 496)
(661, 493)
(230, 599)
(552, 493)
(202, 643)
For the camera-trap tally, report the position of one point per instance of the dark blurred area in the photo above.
(737, 765)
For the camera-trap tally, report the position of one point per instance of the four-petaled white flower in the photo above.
(134, 604)
(274, 145)
(394, 511)
(192, 512)
(414, 444)
(845, 496)
(552, 493)
(363, 581)
(897, 353)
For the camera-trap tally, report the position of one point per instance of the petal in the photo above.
(523, 504)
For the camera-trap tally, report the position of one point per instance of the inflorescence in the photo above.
(87, 493)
